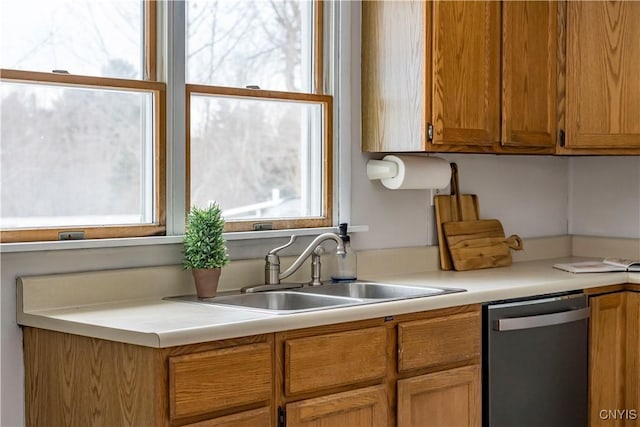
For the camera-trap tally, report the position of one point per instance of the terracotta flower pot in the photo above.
(206, 280)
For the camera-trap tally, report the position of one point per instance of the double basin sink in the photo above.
(328, 295)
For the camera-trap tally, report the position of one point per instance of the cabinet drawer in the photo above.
(255, 418)
(342, 358)
(210, 381)
(439, 341)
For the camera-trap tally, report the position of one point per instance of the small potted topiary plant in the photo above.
(205, 250)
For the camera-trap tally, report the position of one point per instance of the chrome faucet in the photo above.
(272, 275)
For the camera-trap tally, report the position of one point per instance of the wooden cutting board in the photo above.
(446, 211)
(479, 244)
(453, 207)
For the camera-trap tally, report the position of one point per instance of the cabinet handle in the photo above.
(527, 322)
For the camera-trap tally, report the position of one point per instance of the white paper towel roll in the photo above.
(418, 172)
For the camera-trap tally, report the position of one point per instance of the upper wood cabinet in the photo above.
(529, 73)
(395, 51)
(466, 73)
(603, 76)
(459, 76)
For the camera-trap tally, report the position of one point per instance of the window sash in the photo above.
(159, 161)
(318, 96)
(326, 101)
(149, 84)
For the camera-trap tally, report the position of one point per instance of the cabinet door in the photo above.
(607, 357)
(395, 49)
(466, 72)
(632, 386)
(446, 398)
(603, 69)
(529, 76)
(366, 407)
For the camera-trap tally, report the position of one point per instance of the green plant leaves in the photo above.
(204, 246)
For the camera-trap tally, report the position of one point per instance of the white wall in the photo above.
(605, 196)
(527, 194)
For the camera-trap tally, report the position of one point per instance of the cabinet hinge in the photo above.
(282, 417)
(561, 137)
(429, 132)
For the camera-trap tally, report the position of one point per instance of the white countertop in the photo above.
(153, 322)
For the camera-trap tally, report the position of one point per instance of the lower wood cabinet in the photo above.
(360, 407)
(329, 360)
(632, 386)
(206, 382)
(439, 341)
(614, 365)
(417, 369)
(445, 398)
(255, 418)
(71, 380)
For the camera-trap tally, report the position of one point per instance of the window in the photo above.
(84, 116)
(258, 127)
(81, 127)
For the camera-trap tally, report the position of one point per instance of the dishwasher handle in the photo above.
(527, 322)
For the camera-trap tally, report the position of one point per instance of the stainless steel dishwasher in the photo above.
(535, 362)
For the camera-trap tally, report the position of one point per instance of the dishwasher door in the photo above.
(535, 362)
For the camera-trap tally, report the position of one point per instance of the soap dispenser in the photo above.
(345, 265)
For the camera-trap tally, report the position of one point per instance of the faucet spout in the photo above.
(309, 250)
(272, 274)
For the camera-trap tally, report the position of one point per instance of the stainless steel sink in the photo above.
(375, 291)
(310, 298)
(275, 302)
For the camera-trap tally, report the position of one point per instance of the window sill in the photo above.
(162, 240)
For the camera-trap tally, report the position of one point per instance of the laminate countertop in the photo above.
(154, 322)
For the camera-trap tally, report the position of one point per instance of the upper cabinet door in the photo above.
(466, 72)
(395, 49)
(603, 74)
(529, 76)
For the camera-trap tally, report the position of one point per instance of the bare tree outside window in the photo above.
(73, 155)
(93, 38)
(84, 146)
(254, 156)
(240, 43)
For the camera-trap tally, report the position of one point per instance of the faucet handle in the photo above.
(279, 248)
(272, 264)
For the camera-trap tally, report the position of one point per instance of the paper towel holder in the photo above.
(380, 169)
(391, 167)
